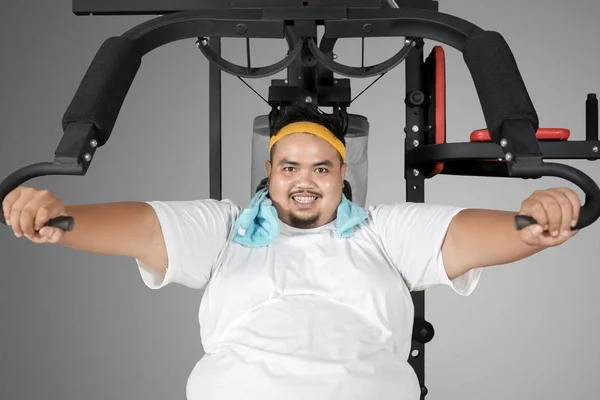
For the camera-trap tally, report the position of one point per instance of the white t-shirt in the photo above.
(310, 316)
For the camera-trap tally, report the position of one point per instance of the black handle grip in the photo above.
(588, 213)
(65, 223)
(523, 221)
(24, 174)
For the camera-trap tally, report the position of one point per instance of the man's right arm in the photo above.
(129, 229)
(175, 241)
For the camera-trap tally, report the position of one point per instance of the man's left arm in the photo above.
(481, 238)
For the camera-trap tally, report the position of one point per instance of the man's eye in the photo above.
(321, 170)
(288, 169)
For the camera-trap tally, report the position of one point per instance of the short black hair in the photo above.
(301, 111)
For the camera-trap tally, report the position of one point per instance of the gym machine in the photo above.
(512, 145)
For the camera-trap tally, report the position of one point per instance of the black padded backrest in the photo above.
(347, 188)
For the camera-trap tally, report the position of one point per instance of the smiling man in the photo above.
(306, 176)
(307, 295)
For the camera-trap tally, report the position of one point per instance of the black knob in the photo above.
(415, 98)
(423, 331)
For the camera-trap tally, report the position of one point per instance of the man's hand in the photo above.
(556, 211)
(26, 210)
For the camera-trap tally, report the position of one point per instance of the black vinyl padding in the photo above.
(104, 87)
(498, 81)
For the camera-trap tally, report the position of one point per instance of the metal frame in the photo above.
(161, 7)
(415, 192)
(513, 150)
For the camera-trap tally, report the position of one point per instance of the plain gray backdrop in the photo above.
(83, 326)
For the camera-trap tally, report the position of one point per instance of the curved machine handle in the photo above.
(22, 175)
(589, 212)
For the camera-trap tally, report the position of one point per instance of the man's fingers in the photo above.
(575, 205)
(534, 207)
(8, 202)
(47, 235)
(46, 213)
(16, 211)
(55, 235)
(550, 206)
(553, 212)
(566, 212)
(30, 210)
(27, 210)
(532, 234)
(556, 210)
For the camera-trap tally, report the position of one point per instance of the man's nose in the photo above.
(305, 178)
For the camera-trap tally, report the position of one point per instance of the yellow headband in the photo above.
(314, 129)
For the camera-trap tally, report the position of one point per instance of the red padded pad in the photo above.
(440, 102)
(482, 135)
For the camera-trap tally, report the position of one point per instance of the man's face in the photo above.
(306, 178)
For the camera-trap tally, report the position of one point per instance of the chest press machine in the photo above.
(512, 145)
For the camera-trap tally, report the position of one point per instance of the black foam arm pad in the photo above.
(499, 84)
(103, 89)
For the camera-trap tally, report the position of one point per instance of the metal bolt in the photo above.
(595, 149)
(286, 81)
(368, 28)
(202, 42)
(308, 99)
(508, 156)
(415, 172)
(94, 143)
(335, 82)
(334, 56)
(415, 143)
(415, 128)
(241, 29)
(407, 41)
(503, 142)
(87, 156)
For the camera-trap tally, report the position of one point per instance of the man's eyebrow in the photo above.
(285, 161)
(323, 163)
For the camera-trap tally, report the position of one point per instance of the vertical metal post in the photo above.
(415, 182)
(215, 127)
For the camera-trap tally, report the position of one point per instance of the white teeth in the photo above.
(304, 199)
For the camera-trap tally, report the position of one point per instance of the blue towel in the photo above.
(258, 224)
(349, 215)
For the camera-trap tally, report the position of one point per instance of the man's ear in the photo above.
(344, 169)
(268, 167)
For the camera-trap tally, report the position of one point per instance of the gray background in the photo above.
(76, 325)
